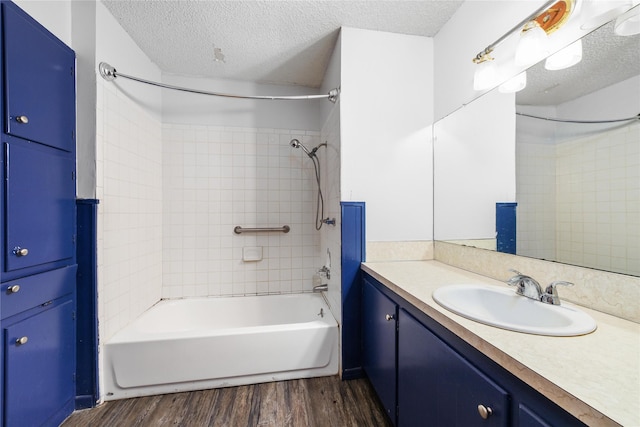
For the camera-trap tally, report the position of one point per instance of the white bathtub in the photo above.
(200, 343)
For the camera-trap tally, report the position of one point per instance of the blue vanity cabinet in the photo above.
(40, 206)
(379, 327)
(37, 223)
(440, 380)
(39, 82)
(39, 353)
(437, 386)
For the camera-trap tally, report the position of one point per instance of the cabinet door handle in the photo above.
(389, 317)
(22, 119)
(18, 251)
(13, 289)
(22, 340)
(485, 411)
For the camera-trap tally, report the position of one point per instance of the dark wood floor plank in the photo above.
(312, 402)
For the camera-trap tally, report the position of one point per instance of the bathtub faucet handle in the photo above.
(325, 272)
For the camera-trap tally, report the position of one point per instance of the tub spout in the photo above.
(320, 288)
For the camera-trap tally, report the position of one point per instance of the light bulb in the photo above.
(565, 57)
(485, 75)
(532, 46)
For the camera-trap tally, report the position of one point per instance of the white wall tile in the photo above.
(588, 215)
(215, 179)
(129, 154)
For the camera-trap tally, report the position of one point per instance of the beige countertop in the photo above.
(595, 377)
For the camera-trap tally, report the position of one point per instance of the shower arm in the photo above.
(109, 73)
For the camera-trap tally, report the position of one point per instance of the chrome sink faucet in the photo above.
(528, 287)
(525, 285)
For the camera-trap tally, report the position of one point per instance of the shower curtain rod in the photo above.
(579, 121)
(109, 73)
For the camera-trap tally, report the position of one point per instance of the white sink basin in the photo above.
(502, 308)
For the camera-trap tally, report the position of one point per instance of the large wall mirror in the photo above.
(576, 185)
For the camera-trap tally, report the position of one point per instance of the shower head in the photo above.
(297, 144)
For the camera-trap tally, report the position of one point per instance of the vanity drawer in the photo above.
(22, 294)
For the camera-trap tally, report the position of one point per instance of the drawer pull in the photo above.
(22, 119)
(485, 411)
(13, 289)
(18, 251)
(389, 317)
(22, 340)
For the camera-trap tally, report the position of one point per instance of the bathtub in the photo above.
(200, 343)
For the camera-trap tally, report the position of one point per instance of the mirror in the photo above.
(577, 185)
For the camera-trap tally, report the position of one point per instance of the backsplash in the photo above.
(399, 251)
(611, 293)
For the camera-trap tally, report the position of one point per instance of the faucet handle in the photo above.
(551, 293)
(515, 280)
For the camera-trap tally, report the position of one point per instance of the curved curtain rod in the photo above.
(579, 121)
(109, 73)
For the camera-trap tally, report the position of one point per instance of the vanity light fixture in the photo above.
(514, 84)
(544, 21)
(565, 57)
(533, 45)
(485, 54)
(628, 24)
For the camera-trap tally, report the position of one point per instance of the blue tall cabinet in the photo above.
(37, 223)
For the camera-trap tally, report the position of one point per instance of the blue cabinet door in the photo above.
(438, 387)
(40, 206)
(39, 367)
(379, 345)
(39, 82)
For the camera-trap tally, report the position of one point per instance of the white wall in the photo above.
(474, 151)
(386, 115)
(331, 79)
(193, 109)
(84, 43)
(621, 100)
(54, 15)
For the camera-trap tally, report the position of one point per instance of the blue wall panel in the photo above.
(353, 254)
(87, 330)
(506, 227)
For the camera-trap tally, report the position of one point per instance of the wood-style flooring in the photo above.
(318, 402)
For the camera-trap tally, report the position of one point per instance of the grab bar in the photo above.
(239, 230)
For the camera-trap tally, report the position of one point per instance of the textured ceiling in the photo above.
(282, 42)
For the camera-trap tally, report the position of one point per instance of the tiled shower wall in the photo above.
(216, 178)
(598, 200)
(586, 193)
(536, 197)
(129, 179)
(330, 236)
